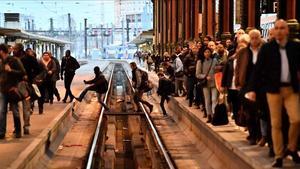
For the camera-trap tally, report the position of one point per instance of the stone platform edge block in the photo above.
(31, 155)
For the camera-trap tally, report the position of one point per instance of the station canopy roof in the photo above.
(145, 36)
(18, 33)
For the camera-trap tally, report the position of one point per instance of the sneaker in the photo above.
(277, 163)
(262, 142)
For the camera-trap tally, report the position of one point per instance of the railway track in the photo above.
(124, 138)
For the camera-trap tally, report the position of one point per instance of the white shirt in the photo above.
(233, 78)
(178, 65)
(255, 53)
(285, 68)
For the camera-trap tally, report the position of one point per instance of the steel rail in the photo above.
(98, 129)
(161, 146)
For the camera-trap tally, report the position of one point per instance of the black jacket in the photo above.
(228, 73)
(139, 81)
(31, 66)
(267, 71)
(171, 72)
(69, 65)
(164, 87)
(98, 84)
(12, 78)
(57, 72)
(189, 65)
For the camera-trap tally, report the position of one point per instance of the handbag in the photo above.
(179, 74)
(18, 92)
(148, 87)
(203, 82)
(40, 78)
(220, 116)
(34, 92)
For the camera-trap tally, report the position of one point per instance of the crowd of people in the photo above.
(261, 79)
(26, 78)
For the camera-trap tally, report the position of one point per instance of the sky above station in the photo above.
(96, 11)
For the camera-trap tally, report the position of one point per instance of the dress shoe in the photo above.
(64, 101)
(294, 155)
(277, 163)
(209, 119)
(252, 141)
(26, 131)
(58, 98)
(271, 152)
(71, 100)
(18, 135)
(41, 110)
(2, 136)
(51, 101)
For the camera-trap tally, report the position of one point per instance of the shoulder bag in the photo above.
(203, 82)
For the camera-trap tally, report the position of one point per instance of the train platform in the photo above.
(13, 150)
(195, 144)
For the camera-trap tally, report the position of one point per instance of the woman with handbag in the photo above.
(205, 74)
(47, 79)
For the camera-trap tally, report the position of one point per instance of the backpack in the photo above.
(145, 77)
(146, 84)
(220, 116)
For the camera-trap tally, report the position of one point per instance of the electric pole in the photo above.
(85, 38)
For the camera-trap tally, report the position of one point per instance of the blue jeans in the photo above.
(211, 96)
(3, 114)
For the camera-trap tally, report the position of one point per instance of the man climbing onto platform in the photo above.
(99, 84)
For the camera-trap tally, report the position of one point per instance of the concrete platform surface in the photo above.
(231, 135)
(10, 147)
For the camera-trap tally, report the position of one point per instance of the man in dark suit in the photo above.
(276, 73)
(68, 67)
